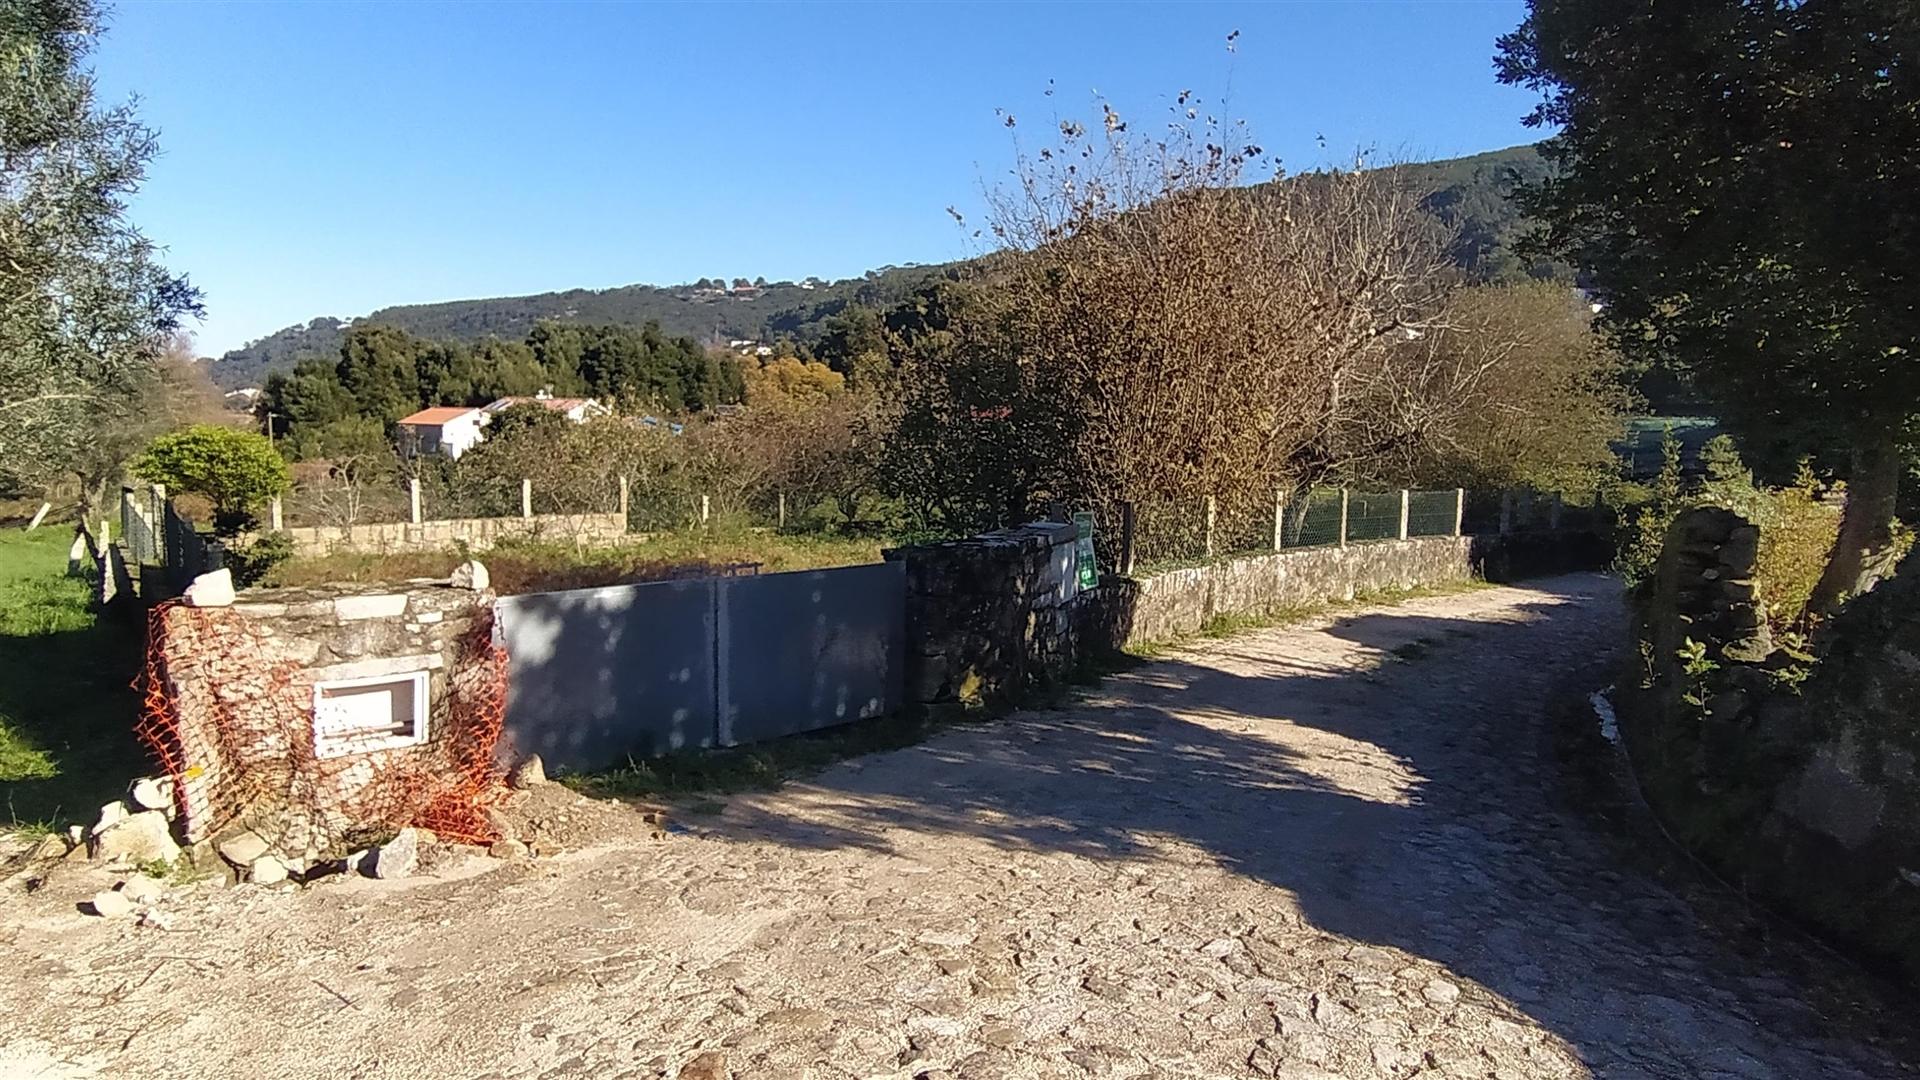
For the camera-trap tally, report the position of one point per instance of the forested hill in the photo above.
(1468, 194)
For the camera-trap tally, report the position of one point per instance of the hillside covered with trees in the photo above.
(1468, 196)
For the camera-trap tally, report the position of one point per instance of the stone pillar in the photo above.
(781, 518)
(1279, 518)
(1406, 507)
(1213, 515)
(1459, 509)
(413, 500)
(1343, 517)
(623, 503)
(526, 498)
(706, 508)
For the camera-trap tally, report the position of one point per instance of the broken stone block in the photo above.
(212, 589)
(267, 870)
(142, 889)
(153, 793)
(242, 849)
(471, 574)
(142, 837)
(49, 848)
(112, 904)
(398, 857)
(508, 849)
(110, 815)
(529, 773)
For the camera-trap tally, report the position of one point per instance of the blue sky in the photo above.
(329, 159)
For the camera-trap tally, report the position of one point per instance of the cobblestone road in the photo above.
(1322, 851)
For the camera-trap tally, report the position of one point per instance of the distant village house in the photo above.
(453, 430)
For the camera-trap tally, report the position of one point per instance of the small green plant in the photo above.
(1697, 666)
(1646, 531)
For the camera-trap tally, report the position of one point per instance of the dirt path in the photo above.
(1322, 851)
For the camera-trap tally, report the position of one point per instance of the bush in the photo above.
(235, 470)
(252, 563)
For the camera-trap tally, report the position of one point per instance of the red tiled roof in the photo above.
(557, 404)
(439, 414)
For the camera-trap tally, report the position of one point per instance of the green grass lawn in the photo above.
(66, 706)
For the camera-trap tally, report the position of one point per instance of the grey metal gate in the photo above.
(596, 676)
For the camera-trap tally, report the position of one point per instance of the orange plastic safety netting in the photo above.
(230, 717)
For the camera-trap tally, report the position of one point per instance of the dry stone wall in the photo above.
(1791, 770)
(477, 534)
(1180, 603)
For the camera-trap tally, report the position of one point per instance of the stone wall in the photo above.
(231, 711)
(477, 534)
(1807, 798)
(1180, 603)
(991, 615)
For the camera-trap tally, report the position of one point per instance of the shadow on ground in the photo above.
(1392, 775)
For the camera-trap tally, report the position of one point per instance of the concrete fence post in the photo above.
(781, 511)
(1279, 518)
(1459, 509)
(1213, 516)
(526, 498)
(624, 495)
(275, 520)
(706, 508)
(1343, 516)
(413, 499)
(1506, 512)
(1126, 539)
(1406, 509)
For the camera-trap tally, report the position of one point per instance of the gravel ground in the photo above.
(1327, 850)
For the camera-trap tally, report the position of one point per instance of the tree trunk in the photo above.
(1863, 551)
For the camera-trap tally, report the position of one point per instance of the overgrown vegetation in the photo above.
(528, 566)
(1797, 524)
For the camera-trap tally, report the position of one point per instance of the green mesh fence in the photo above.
(1430, 513)
(1312, 520)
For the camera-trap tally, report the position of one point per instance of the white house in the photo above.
(578, 410)
(444, 429)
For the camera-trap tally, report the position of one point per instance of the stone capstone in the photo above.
(212, 589)
(471, 574)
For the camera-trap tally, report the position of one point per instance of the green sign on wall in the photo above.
(1083, 549)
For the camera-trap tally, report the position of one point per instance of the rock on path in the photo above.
(1320, 851)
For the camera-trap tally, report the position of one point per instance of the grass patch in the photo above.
(66, 706)
(543, 566)
(762, 766)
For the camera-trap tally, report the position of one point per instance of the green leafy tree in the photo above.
(1737, 180)
(235, 470)
(525, 420)
(86, 309)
